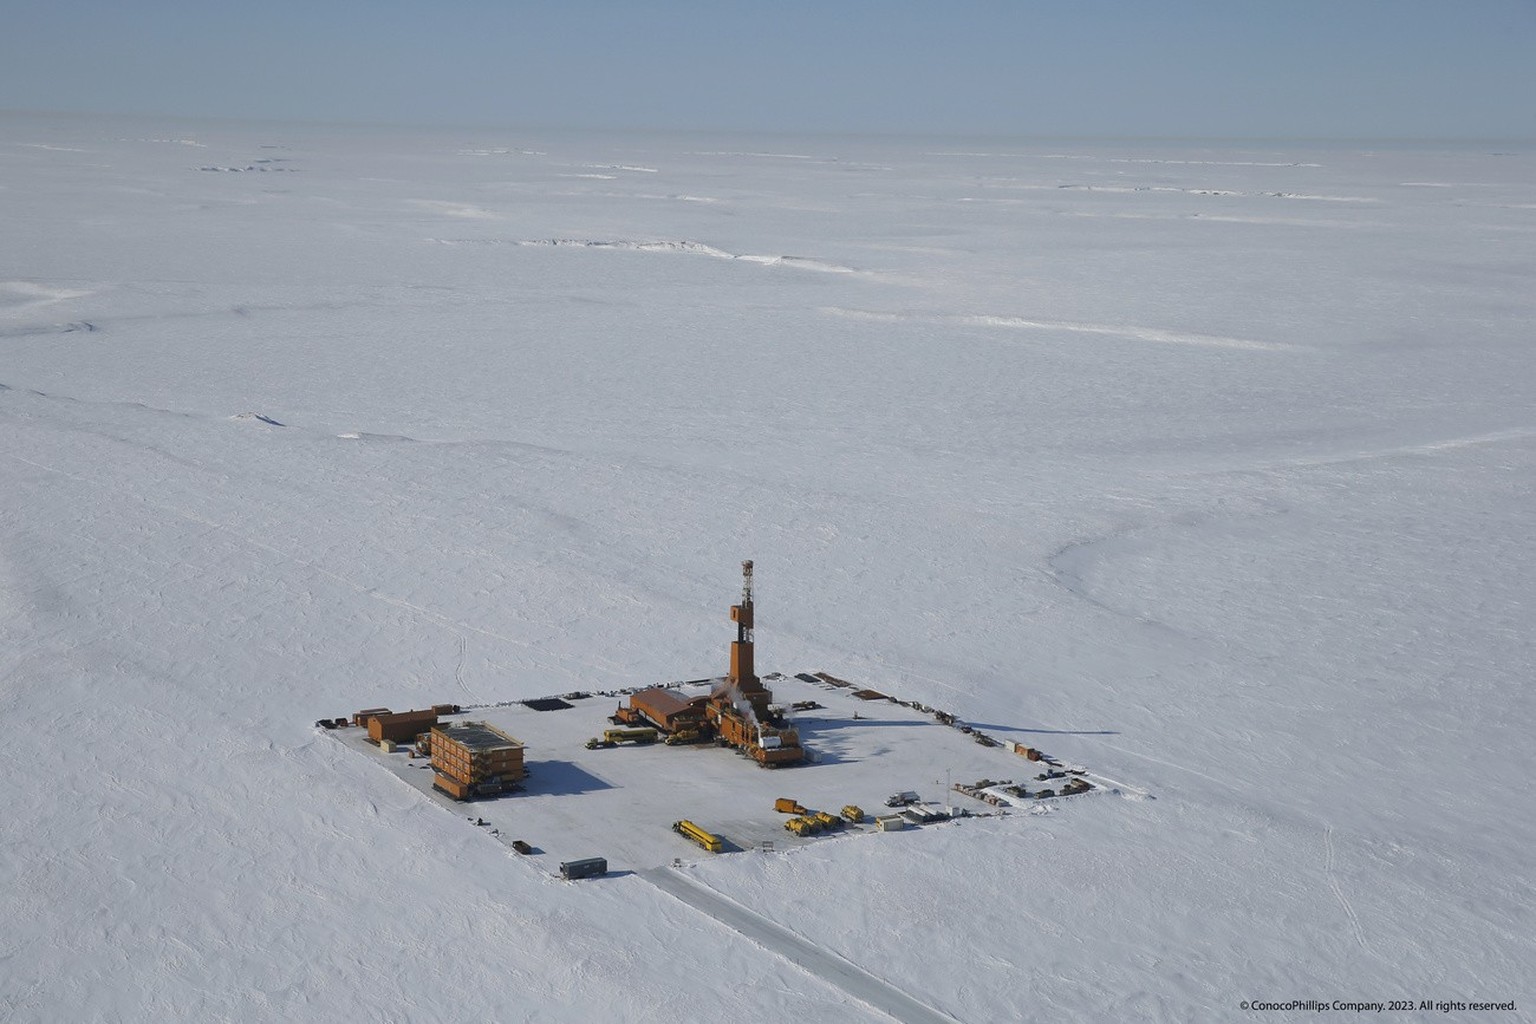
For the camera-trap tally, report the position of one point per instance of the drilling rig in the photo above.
(738, 711)
(739, 708)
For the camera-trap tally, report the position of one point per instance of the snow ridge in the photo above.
(1139, 333)
(667, 246)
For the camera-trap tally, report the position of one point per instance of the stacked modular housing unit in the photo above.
(475, 759)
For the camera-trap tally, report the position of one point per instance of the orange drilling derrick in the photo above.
(741, 649)
(739, 707)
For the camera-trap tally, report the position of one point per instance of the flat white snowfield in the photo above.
(1208, 466)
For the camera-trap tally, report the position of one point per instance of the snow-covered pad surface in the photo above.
(1208, 467)
(619, 803)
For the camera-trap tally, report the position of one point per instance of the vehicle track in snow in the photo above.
(458, 669)
(814, 959)
(1338, 893)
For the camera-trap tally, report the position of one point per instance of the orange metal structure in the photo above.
(453, 787)
(737, 712)
(768, 745)
(667, 709)
(360, 718)
(401, 727)
(742, 667)
(479, 758)
(739, 708)
(743, 674)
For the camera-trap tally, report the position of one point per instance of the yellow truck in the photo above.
(613, 737)
(784, 805)
(708, 840)
(630, 735)
(853, 812)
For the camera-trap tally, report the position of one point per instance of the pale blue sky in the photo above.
(1306, 68)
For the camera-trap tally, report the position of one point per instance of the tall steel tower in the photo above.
(743, 672)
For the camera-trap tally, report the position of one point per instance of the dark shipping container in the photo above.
(588, 867)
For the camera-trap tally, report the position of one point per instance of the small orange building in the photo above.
(400, 727)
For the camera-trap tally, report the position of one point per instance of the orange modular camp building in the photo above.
(474, 758)
(667, 709)
(401, 727)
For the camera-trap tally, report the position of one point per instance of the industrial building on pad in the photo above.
(475, 759)
(739, 712)
(628, 793)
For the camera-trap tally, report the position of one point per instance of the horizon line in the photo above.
(320, 122)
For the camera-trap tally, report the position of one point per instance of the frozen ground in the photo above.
(620, 802)
(1207, 466)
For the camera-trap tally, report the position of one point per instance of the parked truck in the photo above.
(830, 822)
(706, 839)
(642, 735)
